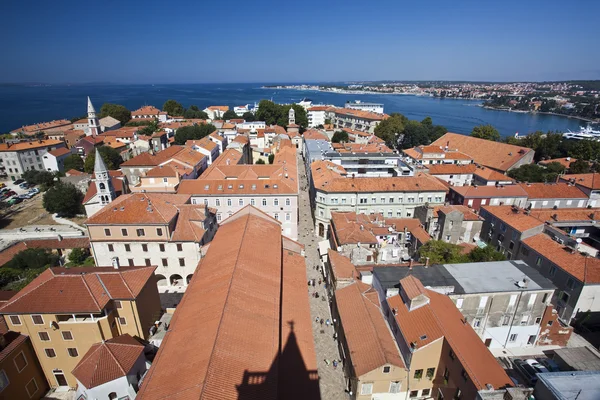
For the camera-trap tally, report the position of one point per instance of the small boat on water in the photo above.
(584, 133)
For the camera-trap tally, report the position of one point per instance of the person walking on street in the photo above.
(321, 321)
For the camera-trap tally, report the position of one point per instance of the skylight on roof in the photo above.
(423, 337)
(254, 187)
(275, 186)
(229, 186)
(206, 187)
(241, 186)
(220, 187)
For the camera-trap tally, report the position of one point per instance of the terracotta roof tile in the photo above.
(341, 265)
(489, 174)
(146, 110)
(565, 161)
(108, 360)
(313, 134)
(33, 144)
(361, 114)
(369, 339)
(589, 181)
(517, 220)
(74, 290)
(229, 322)
(469, 192)
(443, 169)
(60, 152)
(497, 155)
(418, 183)
(559, 190)
(468, 214)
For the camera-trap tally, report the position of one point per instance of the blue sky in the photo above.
(135, 41)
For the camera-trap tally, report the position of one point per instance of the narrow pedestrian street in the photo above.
(332, 381)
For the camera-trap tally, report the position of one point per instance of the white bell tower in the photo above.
(93, 123)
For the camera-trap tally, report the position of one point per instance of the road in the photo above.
(331, 380)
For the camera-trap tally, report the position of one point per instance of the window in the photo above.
(165, 263)
(218, 202)
(252, 202)
(241, 202)
(570, 283)
(72, 352)
(476, 322)
(287, 201)
(140, 232)
(67, 335)
(118, 304)
(20, 361)
(111, 248)
(538, 320)
(464, 375)
(276, 216)
(124, 232)
(3, 380)
(505, 320)
(418, 374)
(106, 232)
(182, 262)
(366, 388)
(288, 217)
(425, 392)
(127, 247)
(363, 201)
(513, 337)
(275, 202)
(161, 247)
(130, 262)
(179, 247)
(459, 303)
(383, 200)
(205, 202)
(159, 231)
(430, 373)
(538, 261)
(147, 262)
(452, 355)
(37, 319)
(144, 247)
(264, 202)
(413, 394)
(386, 369)
(229, 202)
(525, 251)
(44, 337)
(50, 353)
(122, 321)
(550, 323)
(31, 387)
(394, 387)
(545, 298)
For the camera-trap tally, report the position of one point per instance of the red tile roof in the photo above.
(441, 319)
(33, 144)
(445, 169)
(488, 174)
(585, 269)
(367, 115)
(117, 184)
(79, 290)
(146, 110)
(418, 183)
(468, 214)
(66, 243)
(589, 181)
(497, 155)
(559, 190)
(234, 319)
(60, 152)
(12, 341)
(368, 336)
(341, 266)
(108, 360)
(470, 192)
(565, 161)
(313, 134)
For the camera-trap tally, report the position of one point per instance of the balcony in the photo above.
(79, 318)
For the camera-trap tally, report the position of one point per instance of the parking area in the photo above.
(522, 369)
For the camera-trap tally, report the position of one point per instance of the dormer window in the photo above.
(386, 369)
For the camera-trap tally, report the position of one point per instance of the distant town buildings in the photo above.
(20, 156)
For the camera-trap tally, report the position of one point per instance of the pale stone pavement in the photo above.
(331, 381)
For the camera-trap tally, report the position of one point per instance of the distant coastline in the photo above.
(540, 112)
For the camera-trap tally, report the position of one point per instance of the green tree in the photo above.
(340, 137)
(64, 199)
(440, 252)
(585, 150)
(555, 167)
(271, 158)
(268, 112)
(110, 156)
(415, 134)
(77, 255)
(487, 253)
(194, 113)
(260, 161)
(172, 107)
(579, 167)
(73, 161)
(33, 259)
(229, 114)
(300, 115)
(487, 132)
(149, 129)
(194, 132)
(8, 275)
(248, 116)
(532, 173)
(116, 111)
(390, 128)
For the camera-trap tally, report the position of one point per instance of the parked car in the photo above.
(24, 185)
(2, 185)
(14, 200)
(11, 192)
(550, 364)
(4, 189)
(528, 372)
(18, 181)
(34, 190)
(536, 365)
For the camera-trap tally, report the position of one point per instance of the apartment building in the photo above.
(65, 311)
(444, 355)
(452, 224)
(149, 113)
(271, 188)
(54, 160)
(244, 324)
(588, 183)
(395, 197)
(434, 155)
(483, 176)
(477, 196)
(190, 162)
(373, 366)
(373, 239)
(496, 155)
(21, 376)
(18, 157)
(215, 112)
(316, 116)
(505, 302)
(358, 120)
(152, 229)
(367, 160)
(206, 147)
(453, 174)
(555, 195)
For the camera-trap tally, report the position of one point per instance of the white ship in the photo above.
(584, 133)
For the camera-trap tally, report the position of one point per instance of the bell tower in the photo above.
(93, 123)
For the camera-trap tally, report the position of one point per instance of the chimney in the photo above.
(410, 264)
(115, 262)
(426, 262)
(60, 238)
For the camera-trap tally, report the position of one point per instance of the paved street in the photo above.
(331, 380)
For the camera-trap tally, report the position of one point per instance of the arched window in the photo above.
(102, 186)
(112, 395)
